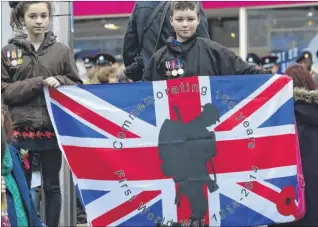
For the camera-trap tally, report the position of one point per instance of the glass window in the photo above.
(282, 32)
(225, 31)
(99, 35)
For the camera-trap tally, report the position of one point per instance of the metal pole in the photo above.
(243, 33)
(5, 23)
(62, 29)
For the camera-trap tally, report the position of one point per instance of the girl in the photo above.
(306, 112)
(29, 62)
(14, 189)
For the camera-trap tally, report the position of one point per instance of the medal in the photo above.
(14, 63)
(20, 61)
(174, 72)
(8, 54)
(180, 71)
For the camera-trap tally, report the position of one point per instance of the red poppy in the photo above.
(286, 202)
(25, 135)
(31, 135)
(16, 133)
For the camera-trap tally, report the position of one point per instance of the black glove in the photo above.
(136, 69)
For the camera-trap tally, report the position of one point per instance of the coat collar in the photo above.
(301, 94)
(183, 47)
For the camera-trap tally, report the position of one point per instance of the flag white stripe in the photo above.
(104, 133)
(268, 109)
(249, 98)
(104, 143)
(214, 208)
(111, 112)
(138, 142)
(109, 201)
(162, 184)
(257, 133)
(169, 208)
(256, 203)
(161, 102)
(136, 212)
(204, 81)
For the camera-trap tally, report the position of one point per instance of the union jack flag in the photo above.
(109, 136)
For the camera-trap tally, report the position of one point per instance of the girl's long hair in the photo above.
(301, 77)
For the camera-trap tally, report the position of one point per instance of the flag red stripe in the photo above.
(125, 208)
(185, 94)
(253, 105)
(261, 190)
(273, 196)
(188, 101)
(232, 156)
(89, 115)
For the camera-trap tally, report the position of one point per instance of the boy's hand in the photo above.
(51, 82)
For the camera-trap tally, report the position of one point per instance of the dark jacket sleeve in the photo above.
(231, 64)
(70, 74)
(152, 73)
(131, 40)
(18, 92)
(203, 30)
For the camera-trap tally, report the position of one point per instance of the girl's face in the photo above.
(37, 18)
(185, 23)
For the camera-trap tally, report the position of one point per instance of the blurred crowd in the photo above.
(102, 68)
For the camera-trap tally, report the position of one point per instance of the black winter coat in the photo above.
(306, 112)
(200, 57)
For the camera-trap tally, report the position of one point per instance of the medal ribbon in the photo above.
(19, 53)
(14, 54)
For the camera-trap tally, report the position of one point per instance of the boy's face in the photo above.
(185, 23)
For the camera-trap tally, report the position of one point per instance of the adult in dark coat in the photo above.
(306, 113)
(136, 24)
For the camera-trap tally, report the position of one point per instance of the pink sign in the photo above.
(116, 8)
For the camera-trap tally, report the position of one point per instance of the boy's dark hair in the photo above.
(18, 10)
(184, 5)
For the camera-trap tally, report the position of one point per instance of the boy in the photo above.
(188, 55)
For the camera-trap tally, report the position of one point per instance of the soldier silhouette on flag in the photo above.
(185, 149)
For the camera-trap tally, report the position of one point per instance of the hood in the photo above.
(20, 40)
(304, 95)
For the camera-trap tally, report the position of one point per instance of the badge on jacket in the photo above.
(174, 67)
(15, 57)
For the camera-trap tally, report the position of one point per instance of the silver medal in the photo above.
(14, 63)
(174, 72)
(180, 71)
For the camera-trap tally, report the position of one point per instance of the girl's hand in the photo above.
(51, 82)
(3, 186)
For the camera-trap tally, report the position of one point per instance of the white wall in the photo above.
(6, 31)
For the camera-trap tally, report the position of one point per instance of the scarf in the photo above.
(12, 186)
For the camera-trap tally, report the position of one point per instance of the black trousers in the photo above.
(50, 162)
